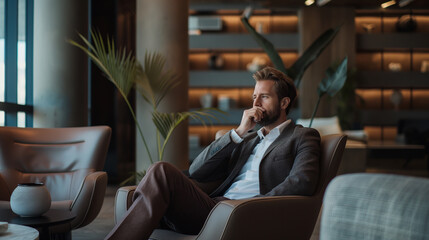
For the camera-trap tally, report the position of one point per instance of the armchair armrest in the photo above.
(89, 200)
(4, 190)
(247, 219)
(123, 201)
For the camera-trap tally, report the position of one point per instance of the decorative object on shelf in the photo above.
(368, 27)
(260, 27)
(208, 23)
(3, 227)
(206, 100)
(425, 66)
(225, 103)
(396, 98)
(257, 64)
(215, 62)
(151, 81)
(406, 23)
(395, 67)
(296, 71)
(30, 199)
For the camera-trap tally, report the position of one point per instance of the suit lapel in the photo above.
(246, 152)
(284, 136)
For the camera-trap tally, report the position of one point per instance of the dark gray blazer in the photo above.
(290, 166)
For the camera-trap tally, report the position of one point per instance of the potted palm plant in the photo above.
(151, 80)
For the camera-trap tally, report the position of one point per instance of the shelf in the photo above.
(390, 117)
(242, 41)
(378, 41)
(380, 79)
(221, 78)
(233, 117)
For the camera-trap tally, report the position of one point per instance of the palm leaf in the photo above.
(263, 43)
(119, 66)
(331, 84)
(311, 54)
(296, 71)
(167, 122)
(334, 80)
(155, 83)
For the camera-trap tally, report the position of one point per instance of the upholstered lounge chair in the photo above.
(366, 206)
(285, 217)
(69, 161)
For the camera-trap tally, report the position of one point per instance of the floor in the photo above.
(104, 222)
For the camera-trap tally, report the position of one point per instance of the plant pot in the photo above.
(30, 199)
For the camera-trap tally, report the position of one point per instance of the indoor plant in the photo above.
(335, 77)
(151, 80)
(296, 71)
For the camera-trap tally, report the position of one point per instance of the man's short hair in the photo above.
(285, 86)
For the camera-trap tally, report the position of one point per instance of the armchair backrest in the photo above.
(332, 148)
(58, 157)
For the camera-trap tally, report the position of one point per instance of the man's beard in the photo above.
(267, 120)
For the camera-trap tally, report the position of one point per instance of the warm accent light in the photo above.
(309, 2)
(388, 4)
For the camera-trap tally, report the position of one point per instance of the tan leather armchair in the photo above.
(283, 217)
(69, 161)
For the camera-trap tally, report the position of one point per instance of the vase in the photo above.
(206, 100)
(30, 199)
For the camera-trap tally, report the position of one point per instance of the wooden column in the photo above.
(313, 21)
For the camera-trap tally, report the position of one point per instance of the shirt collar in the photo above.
(274, 133)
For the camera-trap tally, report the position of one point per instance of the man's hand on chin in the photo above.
(250, 118)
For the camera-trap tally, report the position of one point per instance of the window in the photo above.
(16, 63)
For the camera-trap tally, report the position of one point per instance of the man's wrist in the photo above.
(235, 137)
(240, 131)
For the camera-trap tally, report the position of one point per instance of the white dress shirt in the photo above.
(246, 184)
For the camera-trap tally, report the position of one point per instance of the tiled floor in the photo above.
(104, 222)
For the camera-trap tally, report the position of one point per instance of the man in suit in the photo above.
(281, 158)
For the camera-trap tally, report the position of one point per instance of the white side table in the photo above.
(19, 232)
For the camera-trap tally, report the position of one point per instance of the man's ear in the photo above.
(284, 103)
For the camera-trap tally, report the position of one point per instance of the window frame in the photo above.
(10, 106)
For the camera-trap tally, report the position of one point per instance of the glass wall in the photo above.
(16, 31)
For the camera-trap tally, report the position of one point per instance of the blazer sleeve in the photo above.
(212, 163)
(303, 177)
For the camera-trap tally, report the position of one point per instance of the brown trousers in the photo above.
(164, 192)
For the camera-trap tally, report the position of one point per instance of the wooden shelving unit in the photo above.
(378, 41)
(384, 46)
(390, 117)
(227, 79)
(240, 41)
(384, 79)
